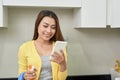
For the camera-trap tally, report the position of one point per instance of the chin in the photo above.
(46, 39)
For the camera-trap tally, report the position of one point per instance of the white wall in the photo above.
(90, 51)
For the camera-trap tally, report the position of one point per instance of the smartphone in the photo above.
(59, 45)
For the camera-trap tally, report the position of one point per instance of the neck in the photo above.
(43, 42)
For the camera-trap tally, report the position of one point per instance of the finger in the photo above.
(56, 54)
(29, 72)
(62, 53)
(35, 69)
(55, 58)
(30, 76)
(32, 71)
(25, 75)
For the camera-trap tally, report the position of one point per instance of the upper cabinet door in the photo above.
(92, 14)
(115, 14)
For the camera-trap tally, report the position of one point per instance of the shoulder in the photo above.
(27, 44)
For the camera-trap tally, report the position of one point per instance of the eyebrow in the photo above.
(47, 24)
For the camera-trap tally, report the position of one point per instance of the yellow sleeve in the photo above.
(63, 75)
(22, 61)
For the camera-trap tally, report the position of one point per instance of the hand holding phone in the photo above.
(59, 45)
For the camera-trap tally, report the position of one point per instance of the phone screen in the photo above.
(59, 45)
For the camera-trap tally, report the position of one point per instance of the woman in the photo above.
(37, 51)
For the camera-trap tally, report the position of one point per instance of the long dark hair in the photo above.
(58, 35)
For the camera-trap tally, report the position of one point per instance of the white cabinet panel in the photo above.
(77, 18)
(109, 10)
(115, 14)
(93, 14)
(43, 3)
(1, 15)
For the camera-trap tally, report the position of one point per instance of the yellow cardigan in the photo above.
(27, 55)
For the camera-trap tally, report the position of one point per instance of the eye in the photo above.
(53, 27)
(45, 26)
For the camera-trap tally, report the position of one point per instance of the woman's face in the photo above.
(46, 28)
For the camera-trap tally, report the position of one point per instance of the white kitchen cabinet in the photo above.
(91, 15)
(86, 13)
(4, 4)
(115, 14)
(3, 15)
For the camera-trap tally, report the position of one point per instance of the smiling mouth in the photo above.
(47, 35)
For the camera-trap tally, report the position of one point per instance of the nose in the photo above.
(48, 29)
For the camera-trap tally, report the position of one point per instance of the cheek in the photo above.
(39, 30)
(54, 31)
